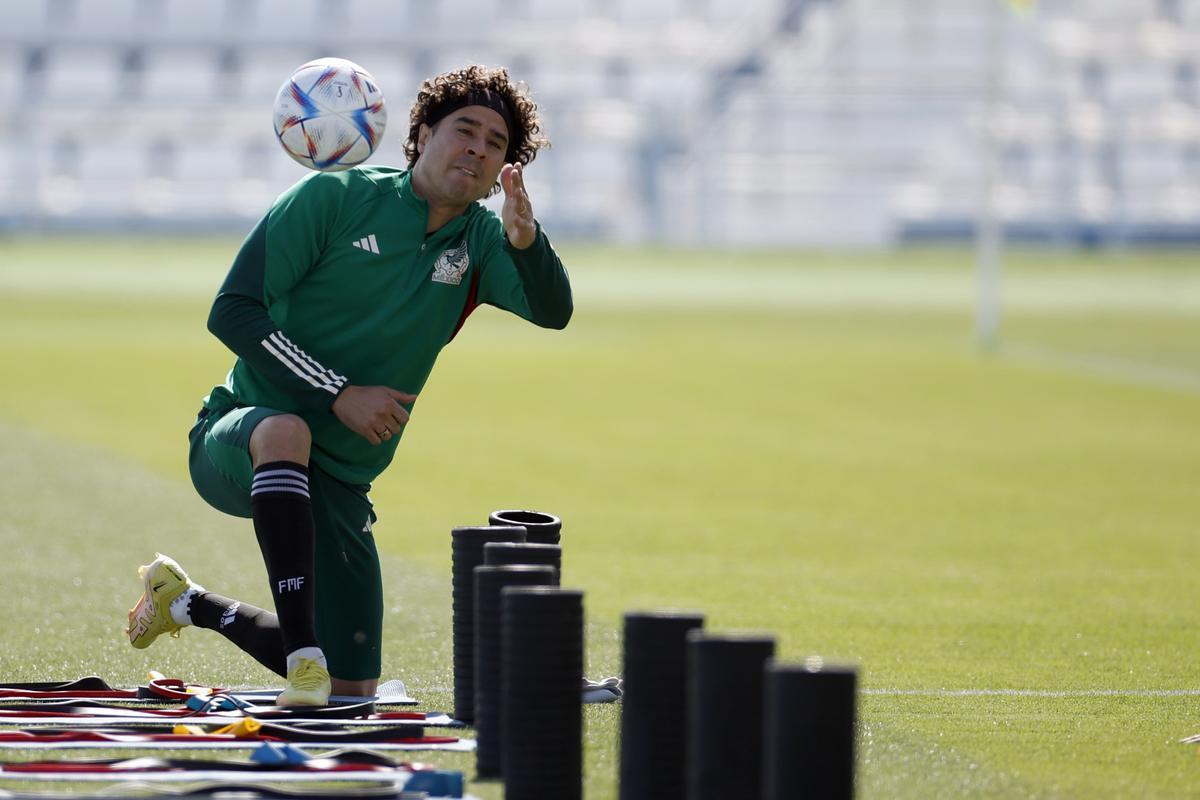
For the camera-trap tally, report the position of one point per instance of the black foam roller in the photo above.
(541, 682)
(725, 723)
(500, 553)
(466, 553)
(489, 580)
(654, 704)
(808, 732)
(542, 528)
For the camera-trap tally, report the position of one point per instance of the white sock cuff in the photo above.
(179, 606)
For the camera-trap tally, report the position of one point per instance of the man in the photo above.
(337, 306)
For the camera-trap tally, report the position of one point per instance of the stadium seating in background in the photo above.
(729, 121)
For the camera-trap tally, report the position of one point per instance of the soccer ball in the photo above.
(329, 114)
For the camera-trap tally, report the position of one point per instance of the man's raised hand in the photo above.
(517, 213)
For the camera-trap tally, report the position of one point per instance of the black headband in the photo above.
(476, 97)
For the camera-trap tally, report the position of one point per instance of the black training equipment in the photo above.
(725, 727)
(489, 581)
(541, 675)
(654, 704)
(91, 683)
(809, 721)
(467, 554)
(542, 528)
(497, 554)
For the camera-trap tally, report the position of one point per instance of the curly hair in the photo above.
(437, 91)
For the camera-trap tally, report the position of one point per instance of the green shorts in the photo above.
(349, 598)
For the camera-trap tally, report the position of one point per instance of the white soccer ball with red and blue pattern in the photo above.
(330, 115)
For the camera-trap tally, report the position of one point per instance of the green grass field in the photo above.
(807, 445)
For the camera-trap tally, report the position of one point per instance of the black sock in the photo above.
(252, 629)
(283, 522)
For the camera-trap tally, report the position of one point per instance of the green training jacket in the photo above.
(339, 285)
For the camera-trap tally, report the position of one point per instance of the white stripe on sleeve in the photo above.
(301, 364)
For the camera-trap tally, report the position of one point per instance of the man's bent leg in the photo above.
(281, 507)
(254, 630)
(222, 471)
(231, 467)
(171, 601)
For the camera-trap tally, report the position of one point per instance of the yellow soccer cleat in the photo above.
(151, 617)
(307, 685)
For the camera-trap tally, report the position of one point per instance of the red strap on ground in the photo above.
(133, 738)
(175, 689)
(343, 762)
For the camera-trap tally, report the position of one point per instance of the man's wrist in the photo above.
(341, 391)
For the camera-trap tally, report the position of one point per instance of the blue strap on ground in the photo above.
(277, 753)
(436, 783)
(216, 702)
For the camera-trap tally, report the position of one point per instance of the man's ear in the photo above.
(423, 133)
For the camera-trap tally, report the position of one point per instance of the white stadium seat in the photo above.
(384, 20)
(190, 20)
(292, 20)
(187, 75)
(25, 22)
(114, 20)
(83, 74)
(13, 75)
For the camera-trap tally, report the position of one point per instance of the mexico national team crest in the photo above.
(451, 265)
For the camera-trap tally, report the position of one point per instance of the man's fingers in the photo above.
(374, 412)
(519, 186)
(512, 181)
(401, 397)
(397, 416)
(519, 205)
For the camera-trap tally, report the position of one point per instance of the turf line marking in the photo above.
(1124, 370)
(1032, 692)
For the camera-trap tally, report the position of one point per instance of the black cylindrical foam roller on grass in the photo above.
(725, 725)
(489, 580)
(499, 553)
(466, 553)
(542, 528)
(541, 682)
(654, 704)
(808, 731)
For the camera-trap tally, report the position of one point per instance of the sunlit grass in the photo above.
(854, 478)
